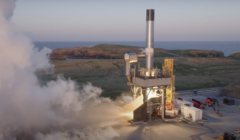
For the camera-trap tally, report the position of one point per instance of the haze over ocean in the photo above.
(227, 47)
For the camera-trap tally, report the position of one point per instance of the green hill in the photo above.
(109, 51)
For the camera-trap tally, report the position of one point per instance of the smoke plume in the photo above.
(59, 110)
(7, 7)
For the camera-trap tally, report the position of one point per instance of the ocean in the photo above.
(227, 47)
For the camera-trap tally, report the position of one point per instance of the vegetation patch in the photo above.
(187, 69)
(100, 51)
(157, 65)
(119, 67)
(235, 55)
(200, 86)
(198, 53)
(110, 51)
(109, 74)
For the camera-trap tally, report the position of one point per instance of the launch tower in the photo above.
(156, 86)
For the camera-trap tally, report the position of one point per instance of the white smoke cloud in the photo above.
(87, 134)
(43, 112)
(39, 60)
(7, 7)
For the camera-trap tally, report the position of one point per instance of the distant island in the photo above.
(109, 51)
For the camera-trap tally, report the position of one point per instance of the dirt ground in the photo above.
(232, 91)
(228, 122)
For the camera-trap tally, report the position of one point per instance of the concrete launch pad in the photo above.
(156, 129)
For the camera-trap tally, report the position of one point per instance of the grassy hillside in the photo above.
(108, 51)
(191, 73)
(103, 66)
(100, 51)
(198, 53)
(235, 55)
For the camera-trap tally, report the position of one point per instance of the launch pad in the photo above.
(151, 82)
(187, 130)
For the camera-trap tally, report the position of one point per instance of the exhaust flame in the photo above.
(129, 115)
(152, 93)
(130, 107)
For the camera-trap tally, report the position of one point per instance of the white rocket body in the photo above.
(150, 39)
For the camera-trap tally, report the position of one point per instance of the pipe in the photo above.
(127, 68)
(163, 110)
(163, 105)
(128, 72)
(149, 39)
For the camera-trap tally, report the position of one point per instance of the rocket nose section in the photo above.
(150, 14)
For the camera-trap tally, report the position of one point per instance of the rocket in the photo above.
(150, 39)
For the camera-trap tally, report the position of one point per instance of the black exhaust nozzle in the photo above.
(150, 14)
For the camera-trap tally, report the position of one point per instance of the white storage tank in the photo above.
(191, 112)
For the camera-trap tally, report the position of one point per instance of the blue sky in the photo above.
(124, 20)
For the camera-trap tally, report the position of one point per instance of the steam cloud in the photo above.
(60, 110)
(7, 7)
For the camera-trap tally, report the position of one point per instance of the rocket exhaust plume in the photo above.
(58, 110)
